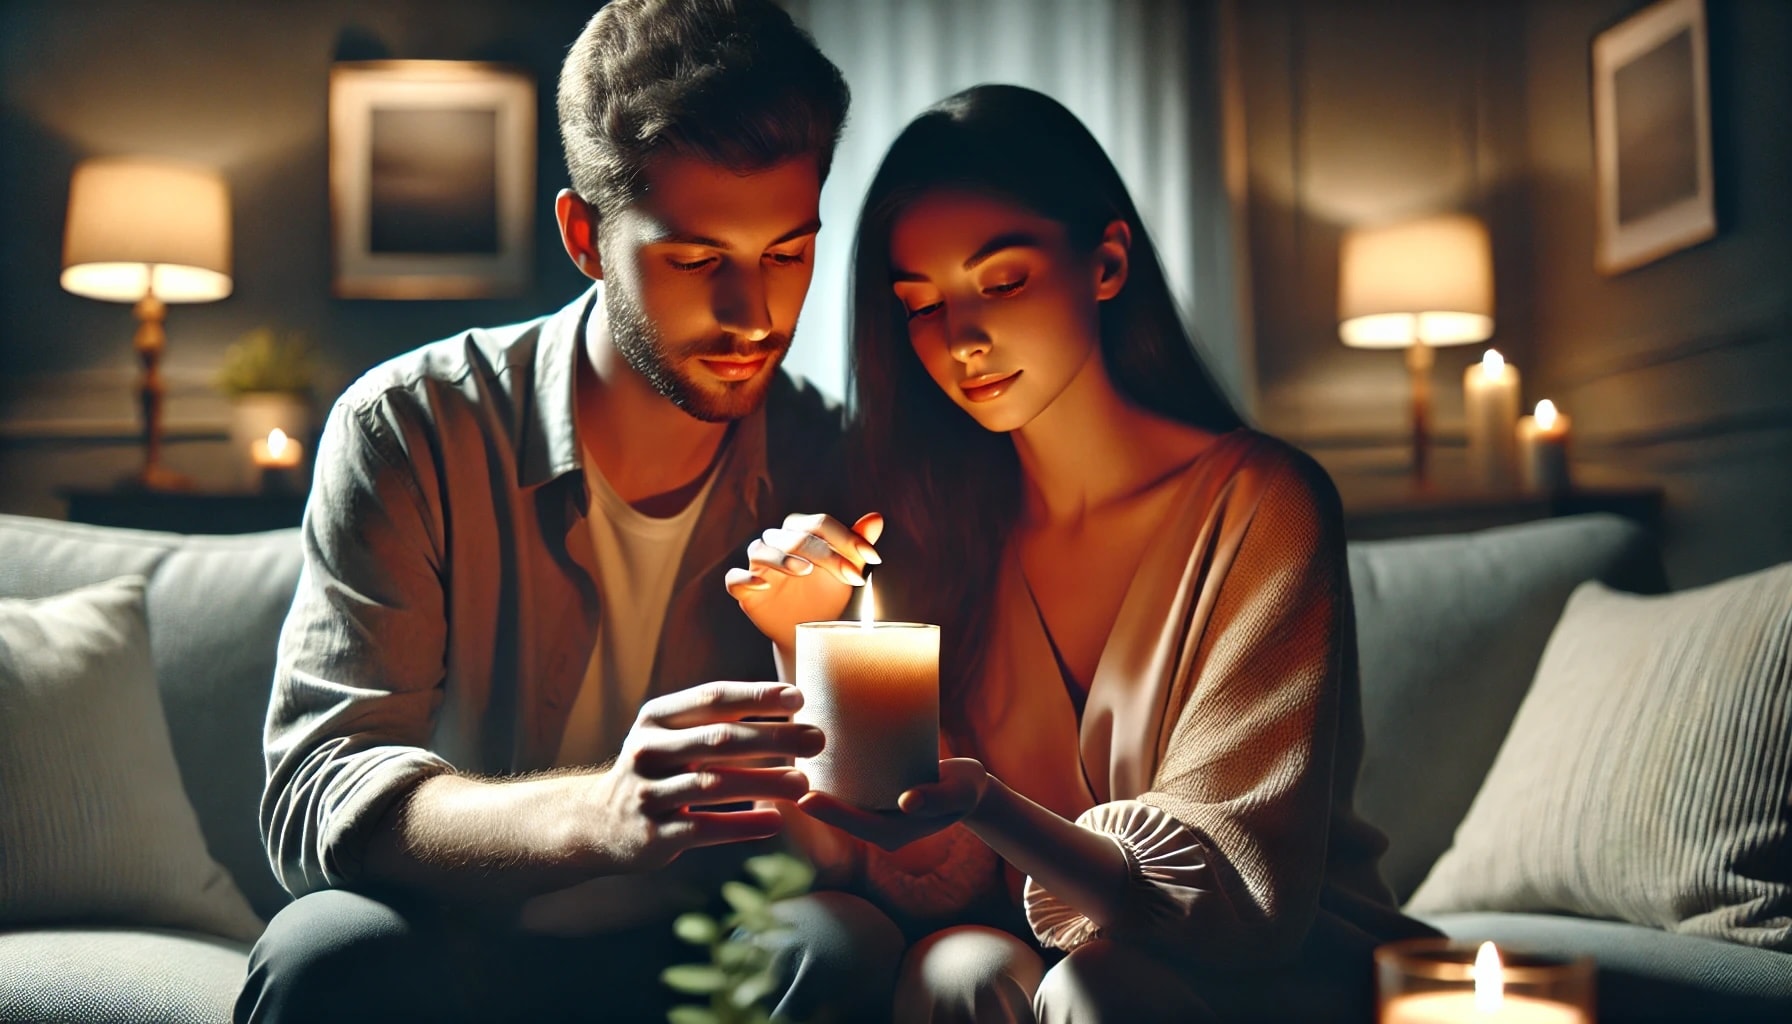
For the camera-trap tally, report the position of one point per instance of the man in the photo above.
(513, 567)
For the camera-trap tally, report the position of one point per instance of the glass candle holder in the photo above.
(1447, 981)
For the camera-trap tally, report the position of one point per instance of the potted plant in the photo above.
(269, 377)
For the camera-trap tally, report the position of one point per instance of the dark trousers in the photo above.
(340, 957)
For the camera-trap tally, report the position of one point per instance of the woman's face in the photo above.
(1002, 310)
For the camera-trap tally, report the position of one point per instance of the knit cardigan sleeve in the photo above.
(1227, 849)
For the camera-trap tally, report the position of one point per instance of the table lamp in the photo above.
(1417, 285)
(149, 232)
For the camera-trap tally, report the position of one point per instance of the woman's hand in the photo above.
(782, 585)
(925, 809)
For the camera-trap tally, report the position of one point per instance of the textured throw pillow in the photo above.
(94, 823)
(1648, 775)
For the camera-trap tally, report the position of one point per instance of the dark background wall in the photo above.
(243, 87)
(1679, 371)
(1676, 374)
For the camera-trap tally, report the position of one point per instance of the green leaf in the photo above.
(781, 875)
(696, 979)
(697, 929)
(741, 954)
(749, 992)
(749, 901)
(692, 1015)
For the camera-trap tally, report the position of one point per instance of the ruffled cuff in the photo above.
(1170, 871)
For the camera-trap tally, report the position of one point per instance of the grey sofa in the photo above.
(1451, 629)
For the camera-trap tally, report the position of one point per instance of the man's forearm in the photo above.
(463, 839)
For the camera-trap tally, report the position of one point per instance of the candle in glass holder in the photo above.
(1543, 449)
(873, 689)
(1434, 981)
(1490, 414)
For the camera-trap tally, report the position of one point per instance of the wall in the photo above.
(1363, 112)
(1675, 373)
(242, 87)
(1679, 371)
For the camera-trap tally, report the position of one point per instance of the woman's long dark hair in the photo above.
(951, 489)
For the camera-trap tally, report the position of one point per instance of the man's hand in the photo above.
(695, 749)
(782, 585)
(924, 810)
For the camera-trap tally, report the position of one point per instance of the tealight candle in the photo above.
(1430, 981)
(275, 457)
(873, 688)
(1490, 414)
(1543, 449)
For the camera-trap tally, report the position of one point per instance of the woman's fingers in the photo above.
(765, 557)
(847, 567)
(742, 581)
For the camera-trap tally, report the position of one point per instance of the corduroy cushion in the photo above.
(1646, 776)
(94, 824)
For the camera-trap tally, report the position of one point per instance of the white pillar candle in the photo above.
(1490, 413)
(1543, 449)
(873, 689)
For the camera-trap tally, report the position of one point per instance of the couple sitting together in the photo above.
(520, 721)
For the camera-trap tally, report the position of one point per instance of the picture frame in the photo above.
(1652, 135)
(432, 179)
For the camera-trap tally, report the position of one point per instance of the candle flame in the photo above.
(1492, 363)
(276, 442)
(867, 605)
(1546, 414)
(1490, 980)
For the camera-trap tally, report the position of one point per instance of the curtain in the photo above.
(1143, 75)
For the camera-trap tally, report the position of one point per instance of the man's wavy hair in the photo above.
(732, 82)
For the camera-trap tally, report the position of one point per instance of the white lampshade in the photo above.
(140, 226)
(1427, 280)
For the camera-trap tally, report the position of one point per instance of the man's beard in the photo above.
(640, 343)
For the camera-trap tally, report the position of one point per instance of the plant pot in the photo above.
(254, 414)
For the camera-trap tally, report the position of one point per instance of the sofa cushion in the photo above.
(119, 975)
(95, 825)
(1450, 630)
(1646, 974)
(215, 608)
(1646, 777)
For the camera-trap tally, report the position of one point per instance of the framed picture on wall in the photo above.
(1652, 135)
(432, 179)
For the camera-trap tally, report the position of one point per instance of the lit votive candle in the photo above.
(1543, 449)
(1490, 414)
(276, 457)
(873, 689)
(1430, 981)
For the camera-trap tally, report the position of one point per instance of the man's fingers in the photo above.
(844, 564)
(721, 785)
(720, 702)
(713, 828)
(676, 750)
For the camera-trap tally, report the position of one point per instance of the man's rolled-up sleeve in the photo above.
(358, 680)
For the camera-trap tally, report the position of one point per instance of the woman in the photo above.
(1149, 652)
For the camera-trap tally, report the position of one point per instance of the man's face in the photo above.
(704, 277)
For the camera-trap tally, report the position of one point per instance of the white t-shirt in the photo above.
(637, 562)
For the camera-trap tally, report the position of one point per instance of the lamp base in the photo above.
(1419, 359)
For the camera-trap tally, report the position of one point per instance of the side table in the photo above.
(186, 511)
(1400, 510)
